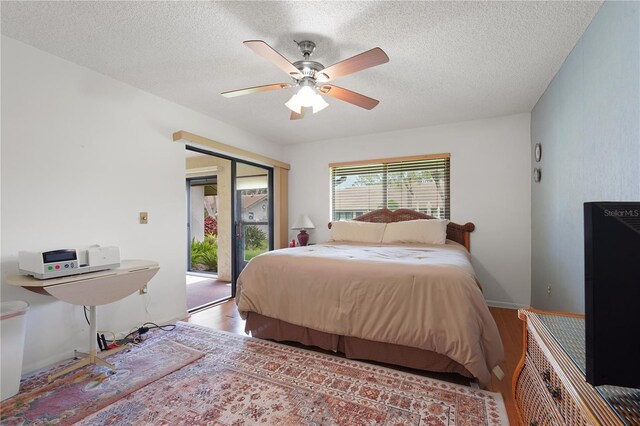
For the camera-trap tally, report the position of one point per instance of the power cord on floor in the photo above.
(135, 336)
(168, 327)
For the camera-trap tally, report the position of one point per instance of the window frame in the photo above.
(385, 164)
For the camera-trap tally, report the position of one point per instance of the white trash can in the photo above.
(12, 331)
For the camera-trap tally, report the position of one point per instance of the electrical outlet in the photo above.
(549, 290)
(144, 290)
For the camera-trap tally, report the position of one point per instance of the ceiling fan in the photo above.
(312, 77)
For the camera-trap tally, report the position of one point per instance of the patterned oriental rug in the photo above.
(74, 396)
(246, 381)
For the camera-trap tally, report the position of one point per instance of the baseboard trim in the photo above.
(508, 305)
(173, 320)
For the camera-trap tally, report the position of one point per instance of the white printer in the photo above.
(63, 262)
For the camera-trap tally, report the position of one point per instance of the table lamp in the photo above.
(303, 223)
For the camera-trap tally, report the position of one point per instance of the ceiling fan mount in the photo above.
(306, 48)
(312, 77)
(306, 67)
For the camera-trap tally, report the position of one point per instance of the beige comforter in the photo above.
(420, 296)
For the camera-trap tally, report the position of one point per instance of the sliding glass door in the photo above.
(253, 212)
(229, 220)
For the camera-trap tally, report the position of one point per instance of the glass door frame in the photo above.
(235, 263)
(238, 252)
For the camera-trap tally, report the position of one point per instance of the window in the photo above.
(418, 183)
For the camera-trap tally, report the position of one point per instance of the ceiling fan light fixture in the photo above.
(306, 96)
(319, 104)
(294, 104)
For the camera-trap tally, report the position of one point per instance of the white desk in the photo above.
(92, 289)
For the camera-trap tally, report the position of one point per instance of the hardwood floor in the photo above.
(225, 317)
(511, 333)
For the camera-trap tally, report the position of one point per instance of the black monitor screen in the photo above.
(59, 256)
(612, 293)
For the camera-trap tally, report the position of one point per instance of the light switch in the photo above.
(143, 217)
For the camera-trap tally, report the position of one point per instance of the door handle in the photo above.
(238, 230)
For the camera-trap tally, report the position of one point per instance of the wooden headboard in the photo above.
(455, 232)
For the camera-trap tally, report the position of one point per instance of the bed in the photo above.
(409, 304)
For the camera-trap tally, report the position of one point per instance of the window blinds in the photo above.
(420, 184)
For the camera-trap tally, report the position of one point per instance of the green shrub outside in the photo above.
(254, 237)
(255, 242)
(205, 253)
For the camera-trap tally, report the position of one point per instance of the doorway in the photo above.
(209, 222)
(229, 221)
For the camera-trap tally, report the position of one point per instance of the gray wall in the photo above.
(588, 122)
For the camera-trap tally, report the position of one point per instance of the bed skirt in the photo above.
(265, 327)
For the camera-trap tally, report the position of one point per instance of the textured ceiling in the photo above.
(449, 61)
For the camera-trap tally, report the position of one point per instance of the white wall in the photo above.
(588, 122)
(490, 175)
(82, 154)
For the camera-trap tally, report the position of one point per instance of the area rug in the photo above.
(246, 381)
(78, 394)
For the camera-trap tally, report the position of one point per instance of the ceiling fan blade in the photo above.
(249, 90)
(296, 116)
(368, 59)
(349, 96)
(271, 55)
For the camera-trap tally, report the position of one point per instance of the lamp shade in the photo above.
(294, 104)
(319, 104)
(306, 96)
(303, 222)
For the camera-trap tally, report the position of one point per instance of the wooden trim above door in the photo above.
(224, 148)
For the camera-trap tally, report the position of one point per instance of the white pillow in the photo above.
(354, 231)
(423, 231)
